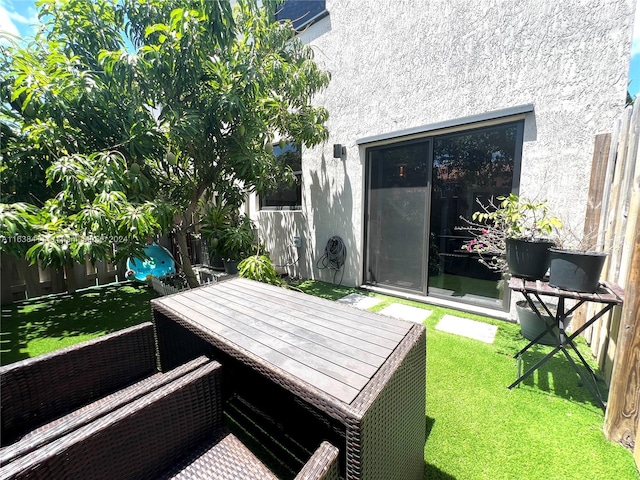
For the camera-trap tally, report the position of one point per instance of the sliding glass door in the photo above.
(397, 221)
(417, 196)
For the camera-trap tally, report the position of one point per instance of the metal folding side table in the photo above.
(608, 294)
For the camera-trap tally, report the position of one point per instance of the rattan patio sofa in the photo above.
(174, 431)
(101, 409)
(40, 396)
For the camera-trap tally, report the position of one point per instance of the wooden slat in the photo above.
(326, 315)
(313, 344)
(363, 317)
(290, 350)
(283, 322)
(603, 295)
(623, 409)
(636, 450)
(599, 166)
(340, 335)
(262, 352)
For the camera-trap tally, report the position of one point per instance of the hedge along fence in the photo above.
(613, 211)
(19, 280)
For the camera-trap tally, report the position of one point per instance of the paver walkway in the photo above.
(406, 312)
(359, 301)
(449, 323)
(467, 328)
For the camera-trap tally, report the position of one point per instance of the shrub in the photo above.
(260, 268)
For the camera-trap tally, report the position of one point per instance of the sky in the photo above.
(18, 16)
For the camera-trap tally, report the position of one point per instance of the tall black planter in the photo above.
(531, 325)
(576, 271)
(528, 259)
(231, 267)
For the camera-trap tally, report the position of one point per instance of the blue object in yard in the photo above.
(159, 263)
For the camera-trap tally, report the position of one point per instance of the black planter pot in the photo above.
(528, 259)
(216, 262)
(576, 271)
(230, 267)
(531, 326)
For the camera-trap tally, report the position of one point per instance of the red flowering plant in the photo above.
(489, 243)
(512, 217)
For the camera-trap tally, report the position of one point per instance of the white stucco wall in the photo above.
(398, 64)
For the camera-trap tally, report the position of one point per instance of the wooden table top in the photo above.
(334, 347)
(607, 292)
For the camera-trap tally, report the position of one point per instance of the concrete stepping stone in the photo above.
(406, 312)
(467, 328)
(359, 301)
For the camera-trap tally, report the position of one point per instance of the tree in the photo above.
(181, 99)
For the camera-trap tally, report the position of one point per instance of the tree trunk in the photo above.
(192, 280)
(69, 268)
(181, 235)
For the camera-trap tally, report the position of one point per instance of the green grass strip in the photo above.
(547, 428)
(44, 324)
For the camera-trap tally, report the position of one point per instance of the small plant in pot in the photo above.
(214, 219)
(259, 267)
(576, 263)
(517, 228)
(236, 242)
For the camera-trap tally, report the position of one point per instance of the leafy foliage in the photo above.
(520, 217)
(118, 114)
(237, 239)
(513, 217)
(260, 268)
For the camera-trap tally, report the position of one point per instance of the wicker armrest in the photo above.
(138, 441)
(323, 464)
(224, 457)
(84, 415)
(40, 389)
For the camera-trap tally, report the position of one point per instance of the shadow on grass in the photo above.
(92, 311)
(431, 471)
(326, 290)
(558, 377)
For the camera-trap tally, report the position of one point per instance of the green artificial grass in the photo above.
(547, 428)
(40, 325)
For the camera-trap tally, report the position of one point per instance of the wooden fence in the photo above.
(613, 211)
(19, 280)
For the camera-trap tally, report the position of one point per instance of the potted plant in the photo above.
(214, 220)
(259, 267)
(576, 263)
(531, 326)
(236, 242)
(517, 228)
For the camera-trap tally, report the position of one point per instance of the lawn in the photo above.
(548, 428)
(37, 326)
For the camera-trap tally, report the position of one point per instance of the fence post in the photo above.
(600, 165)
(636, 450)
(623, 409)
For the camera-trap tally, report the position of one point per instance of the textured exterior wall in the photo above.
(398, 64)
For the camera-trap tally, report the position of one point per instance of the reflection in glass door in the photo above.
(417, 194)
(396, 227)
(468, 166)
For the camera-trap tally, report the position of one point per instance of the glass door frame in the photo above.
(367, 210)
(515, 188)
